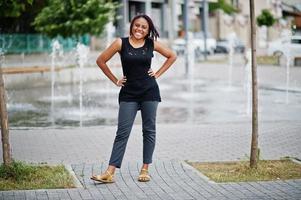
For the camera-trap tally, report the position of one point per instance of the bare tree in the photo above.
(254, 143)
(7, 159)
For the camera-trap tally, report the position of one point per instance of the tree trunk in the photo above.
(4, 122)
(254, 143)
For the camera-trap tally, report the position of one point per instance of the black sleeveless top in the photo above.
(135, 65)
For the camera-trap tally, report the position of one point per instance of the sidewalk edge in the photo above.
(77, 183)
(187, 166)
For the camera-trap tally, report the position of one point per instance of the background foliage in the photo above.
(74, 17)
(17, 15)
(222, 5)
(13, 8)
(266, 18)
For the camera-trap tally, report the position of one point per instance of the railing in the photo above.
(36, 43)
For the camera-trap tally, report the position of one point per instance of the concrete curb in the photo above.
(295, 160)
(201, 175)
(76, 182)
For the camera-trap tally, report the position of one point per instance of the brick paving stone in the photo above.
(30, 194)
(165, 175)
(74, 194)
(19, 195)
(63, 194)
(170, 180)
(9, 197)
(225, 141)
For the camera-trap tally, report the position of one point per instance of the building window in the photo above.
(235, 3)
(135, 8)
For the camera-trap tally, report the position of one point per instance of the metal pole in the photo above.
(148, 7)
(186, 23)
(205, 28)
(125, 16)
(174, 20)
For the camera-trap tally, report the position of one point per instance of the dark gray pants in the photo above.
(126, 117)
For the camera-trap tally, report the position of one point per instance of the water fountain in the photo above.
(56, 51)
(286, 38)
(22, 57)
(230, 38)
(1, 56)
(110, 31)
(4, 45)
(91, 100)
(191, 83)
(248, 81)
(82, 55)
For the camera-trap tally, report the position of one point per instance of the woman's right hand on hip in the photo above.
(120, 82)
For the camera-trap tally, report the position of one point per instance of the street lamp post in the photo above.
(186, 23)
(125, 15)
(148, 7)
(205, 27)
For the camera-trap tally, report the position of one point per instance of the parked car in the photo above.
(278, 47)
(223, 46)
(178, 46)
(197, 42)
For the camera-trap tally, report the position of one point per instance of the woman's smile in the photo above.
(138, 34)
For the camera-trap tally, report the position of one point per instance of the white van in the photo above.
(279, 47)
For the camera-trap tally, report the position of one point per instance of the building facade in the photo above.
(167, 15)
(285, 12)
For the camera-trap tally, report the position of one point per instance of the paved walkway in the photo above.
(87, 150)
(170, 180)
(186, 141)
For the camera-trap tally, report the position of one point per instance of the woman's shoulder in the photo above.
(116, 45)
(117, 41)
(150, 41)
(122, 39)
(159, 45)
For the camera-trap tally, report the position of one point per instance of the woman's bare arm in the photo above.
(166, 52)
(106, 55)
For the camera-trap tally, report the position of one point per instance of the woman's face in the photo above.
(140, 28)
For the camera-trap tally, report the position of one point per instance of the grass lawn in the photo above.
(22, 176)
(240, 171)
(261, 60)
(268, 60)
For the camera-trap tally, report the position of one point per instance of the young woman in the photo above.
(139, 90)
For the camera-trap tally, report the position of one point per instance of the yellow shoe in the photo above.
(106, 177)
(144, 176)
